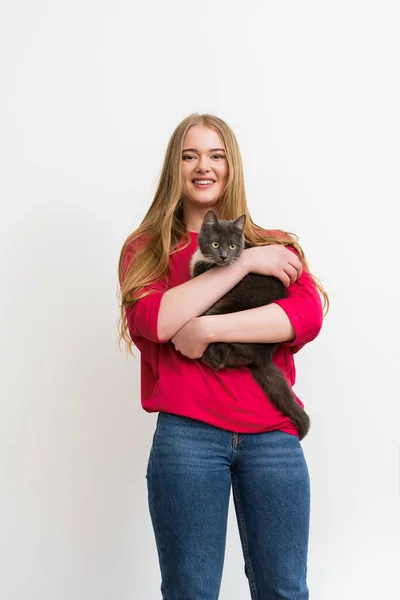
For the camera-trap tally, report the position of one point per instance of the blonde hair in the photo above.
(164, 225)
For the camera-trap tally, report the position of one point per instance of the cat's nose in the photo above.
(224, 257)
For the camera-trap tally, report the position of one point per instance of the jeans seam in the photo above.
(243, 530)
(161, 551)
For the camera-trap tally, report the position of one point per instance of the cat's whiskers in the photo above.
(234, 260)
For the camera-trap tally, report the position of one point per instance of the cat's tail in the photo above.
(275, 386)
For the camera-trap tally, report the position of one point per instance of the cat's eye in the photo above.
(215, 245)
(232, 247)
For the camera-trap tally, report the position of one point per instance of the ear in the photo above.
(210, 218)
(239, 223)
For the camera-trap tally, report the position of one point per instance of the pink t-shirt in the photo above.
(230, 398)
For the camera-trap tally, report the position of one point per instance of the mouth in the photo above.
(202, 183)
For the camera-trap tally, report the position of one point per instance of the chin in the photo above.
(208, 202)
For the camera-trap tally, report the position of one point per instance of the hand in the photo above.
(275, 260)
(191, 340)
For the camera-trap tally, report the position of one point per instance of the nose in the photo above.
(203, 164)
(224, 257)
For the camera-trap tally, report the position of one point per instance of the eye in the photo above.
(218, 156)
(187, 156)
(232, 247)
(215, 245)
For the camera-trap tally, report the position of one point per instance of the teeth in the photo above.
(203, 181)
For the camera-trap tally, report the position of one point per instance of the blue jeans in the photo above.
(191, 469)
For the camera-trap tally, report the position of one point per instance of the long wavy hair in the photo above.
(145, 253)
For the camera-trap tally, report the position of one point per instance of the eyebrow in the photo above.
(195, 150)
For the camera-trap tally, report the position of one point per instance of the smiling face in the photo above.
(204, 167)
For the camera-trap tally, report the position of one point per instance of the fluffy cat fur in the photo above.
(221, 243)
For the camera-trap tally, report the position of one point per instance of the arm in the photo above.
(192, 298)
(161, 314)
(264, 324)
(198, 294)
(295, 320)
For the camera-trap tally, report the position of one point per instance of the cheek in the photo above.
(186, 174)
(223, 172)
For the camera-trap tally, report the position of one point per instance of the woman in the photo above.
(217, 429)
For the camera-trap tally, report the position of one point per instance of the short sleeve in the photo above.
(303, 307)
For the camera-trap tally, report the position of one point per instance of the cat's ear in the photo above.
(239, 223)
(210, 218)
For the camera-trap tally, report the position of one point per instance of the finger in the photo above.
(297, 271)
(291, 272)
(297, 264)
(284, 277)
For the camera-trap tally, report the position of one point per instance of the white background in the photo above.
(91, 92)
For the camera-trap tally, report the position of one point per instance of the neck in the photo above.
(194, 215)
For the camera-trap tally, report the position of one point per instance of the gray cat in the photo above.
(221, 243)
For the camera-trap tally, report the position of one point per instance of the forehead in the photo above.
(202, 138)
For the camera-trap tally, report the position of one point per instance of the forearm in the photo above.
(192, 298)
(266, 324)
